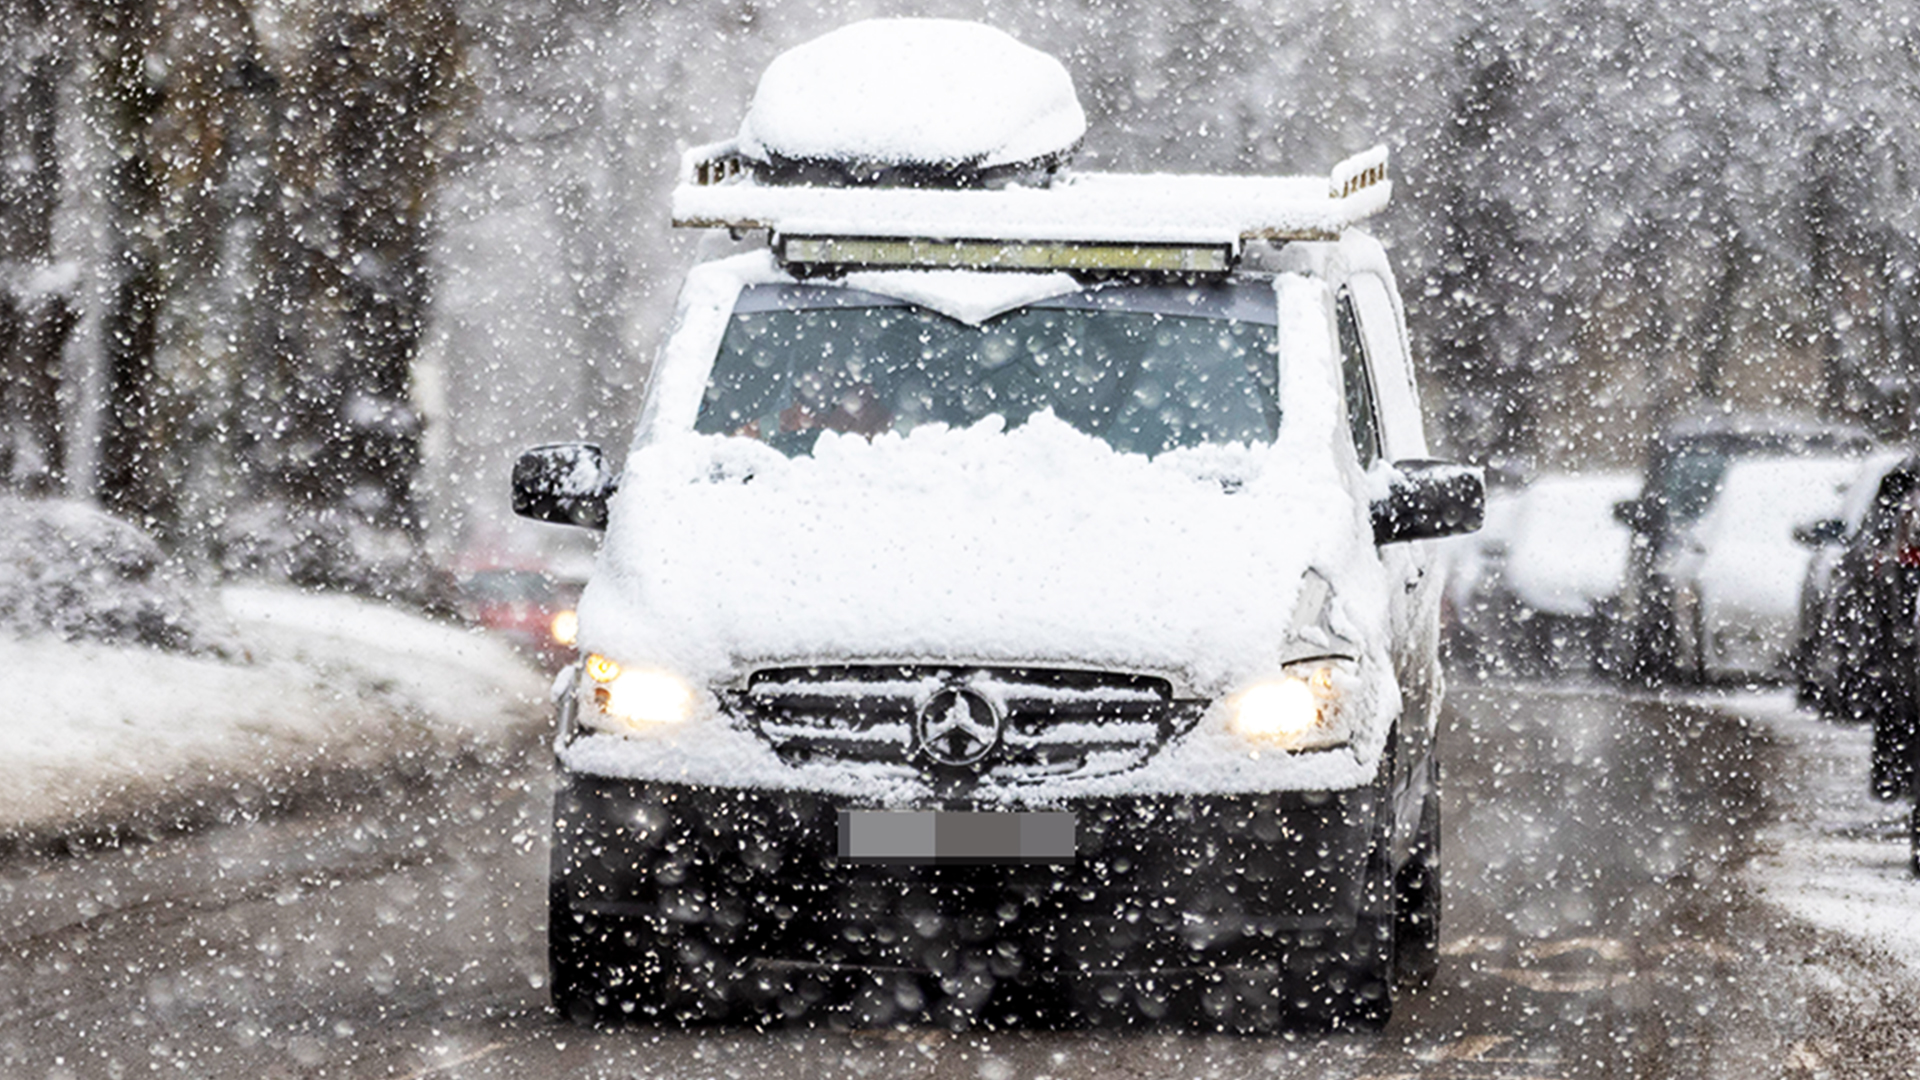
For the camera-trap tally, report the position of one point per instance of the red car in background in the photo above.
(533, 609)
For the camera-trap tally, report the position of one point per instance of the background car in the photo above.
(1870, 627)
(1685, 466)
(1472, 615)
(1817, 653)
(1564, 564)
(1736, 586)
(1530, 597)
(532, 608)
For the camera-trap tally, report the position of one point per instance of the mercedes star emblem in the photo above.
(957, 727)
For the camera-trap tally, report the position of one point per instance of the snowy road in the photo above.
(1598, 926)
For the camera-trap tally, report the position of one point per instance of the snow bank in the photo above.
(77, 574)
(914, 91)
(94, 733)
(1838, 858)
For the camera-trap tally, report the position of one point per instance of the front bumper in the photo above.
(1160, 884)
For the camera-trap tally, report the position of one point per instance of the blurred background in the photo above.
(289, 284)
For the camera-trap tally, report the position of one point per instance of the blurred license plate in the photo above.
(956, 836)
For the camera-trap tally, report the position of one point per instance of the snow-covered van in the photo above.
(1013, 593)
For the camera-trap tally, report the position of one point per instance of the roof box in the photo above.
(912, 103)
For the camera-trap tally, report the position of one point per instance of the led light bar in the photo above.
(916, 254)
(1078, 221)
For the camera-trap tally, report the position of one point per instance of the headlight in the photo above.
(636, 699)
(565, 627)
(1300, 710)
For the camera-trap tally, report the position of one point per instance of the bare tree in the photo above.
(1481, 271)
(37, 314)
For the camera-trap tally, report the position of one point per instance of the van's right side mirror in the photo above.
(563, 483)
(1430, 499)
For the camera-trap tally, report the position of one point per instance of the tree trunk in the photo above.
(36, 313)
(137, 425)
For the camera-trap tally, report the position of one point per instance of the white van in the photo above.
(1013, 595)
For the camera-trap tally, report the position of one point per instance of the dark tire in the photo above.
(1913, 839)
(575, 995)
(1417, 903)
(1893, 753)
(1363, 984)
(599, 970)
(1651, 652)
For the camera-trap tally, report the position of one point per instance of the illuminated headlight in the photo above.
(636, 699)
(565, 627)
(1299, 710)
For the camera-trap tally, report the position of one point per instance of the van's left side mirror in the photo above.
(563, 483)
(1430, 499)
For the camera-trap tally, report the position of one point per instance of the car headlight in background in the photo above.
(1298, 710)
(565, 627)
(636, 699)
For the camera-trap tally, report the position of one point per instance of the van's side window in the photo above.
(1361, 417)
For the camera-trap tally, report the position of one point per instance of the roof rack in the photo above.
(1083, 221)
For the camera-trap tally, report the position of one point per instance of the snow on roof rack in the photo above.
(1083, 221)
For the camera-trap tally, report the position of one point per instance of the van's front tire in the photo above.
(599, 971)
(1354, 988)
(575, 994)
(1417, 903)
(1363, 986)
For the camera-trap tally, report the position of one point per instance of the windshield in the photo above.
(1145, 368)
(1692, 480)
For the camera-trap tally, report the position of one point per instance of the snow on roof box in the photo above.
(911, 101)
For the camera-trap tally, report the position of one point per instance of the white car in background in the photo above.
(1565, 560)
(1473, 616)
(1737, 588)
(1528, 591)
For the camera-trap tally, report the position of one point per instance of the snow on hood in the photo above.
(1033, 545)
(914, 91)
(1037, 544)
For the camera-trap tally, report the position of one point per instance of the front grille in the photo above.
(1055, 722)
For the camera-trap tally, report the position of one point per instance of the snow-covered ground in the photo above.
(95, 734)
(1837, 858)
